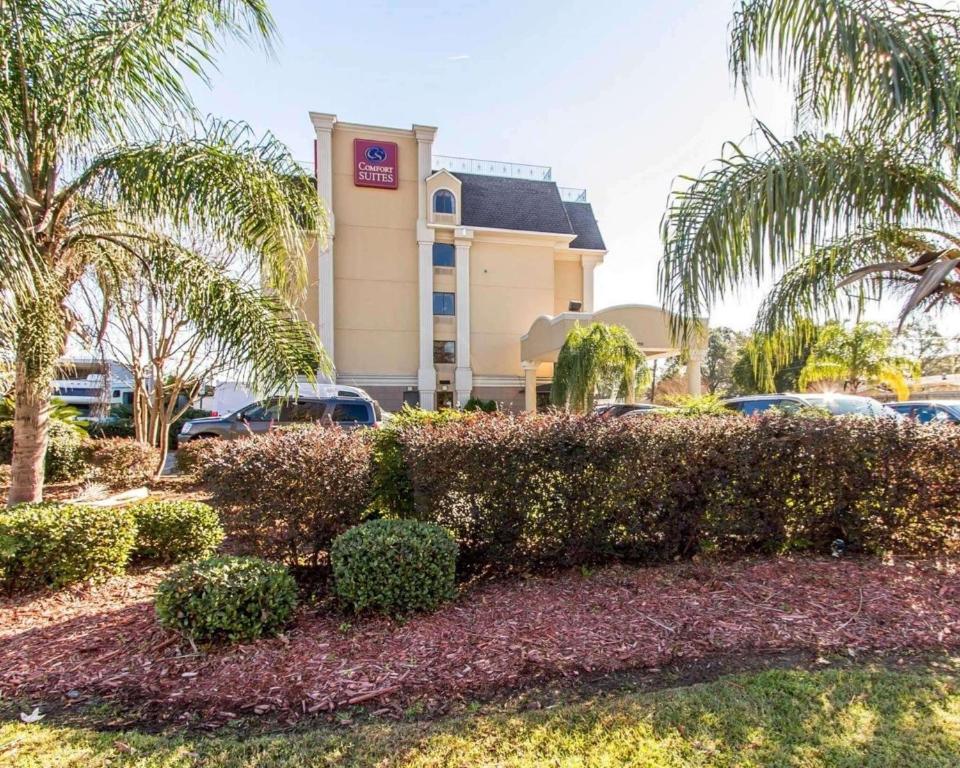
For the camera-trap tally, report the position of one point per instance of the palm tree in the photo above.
(844, 214)
(597, 359)
(90, 183)
(857, 357)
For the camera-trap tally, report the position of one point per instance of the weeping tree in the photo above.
(597, 359)
(862, 203)
(858, 357)
(88, 178)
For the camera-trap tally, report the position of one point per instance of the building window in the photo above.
(444, 255)
(445, 352)
(444, 303)
(444, 201)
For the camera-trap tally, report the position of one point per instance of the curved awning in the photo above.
(649, 325)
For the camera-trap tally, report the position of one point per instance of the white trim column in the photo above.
(323, 162)
(463, 377)
(426, 372)
(529, 386)
(588, 263)
(693, 372)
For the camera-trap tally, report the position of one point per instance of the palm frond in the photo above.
(271, 347)
(84, 72)
(886, 64)
(751, 215)
(249, 195)
(831, 282)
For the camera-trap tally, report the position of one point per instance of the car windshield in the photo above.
(840, 405)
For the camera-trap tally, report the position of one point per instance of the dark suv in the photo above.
(260, 417)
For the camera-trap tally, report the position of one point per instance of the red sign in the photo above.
(375, 164)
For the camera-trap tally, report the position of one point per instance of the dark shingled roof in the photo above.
(525, 205)
(519, 204)
(585, 225)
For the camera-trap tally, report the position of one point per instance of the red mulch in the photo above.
(105, 641)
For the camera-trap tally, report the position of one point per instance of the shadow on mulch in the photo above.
(115, 715)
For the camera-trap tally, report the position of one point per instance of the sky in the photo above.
(618, 97)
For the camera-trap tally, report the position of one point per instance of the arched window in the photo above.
(444, 201)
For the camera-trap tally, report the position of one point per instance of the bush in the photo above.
(394, 566)
(478, 404)
(6, 476)
(52, 545)
(563, 490)
(227, 598)
(392, 491)
(697, 405)
(287, 495)
(121, 463)
(174, 531)
(65, 450)
(193, 455)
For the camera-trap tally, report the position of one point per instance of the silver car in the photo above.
(836, 404)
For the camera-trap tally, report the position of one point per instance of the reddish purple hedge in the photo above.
(566, 490)
(288, 494)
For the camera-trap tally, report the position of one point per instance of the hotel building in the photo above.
(444, 278)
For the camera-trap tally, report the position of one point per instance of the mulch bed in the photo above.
(104, 641)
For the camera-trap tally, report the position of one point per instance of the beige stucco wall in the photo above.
(568, 285)
(511, 285)
(375, 261)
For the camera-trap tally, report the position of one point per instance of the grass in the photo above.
(856, 717)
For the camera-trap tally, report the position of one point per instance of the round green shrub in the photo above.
(394, 566)
(65, 458)
(227, 598)
(52, 545)
(176, 531)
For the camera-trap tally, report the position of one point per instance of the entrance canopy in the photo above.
(649, 325)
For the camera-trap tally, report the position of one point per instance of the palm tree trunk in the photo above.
(31, 418)
(41, 340)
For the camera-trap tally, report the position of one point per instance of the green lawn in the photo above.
(856, 717)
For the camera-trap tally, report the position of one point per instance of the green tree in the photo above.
(846, 215)
(597, 359)
(90, 184)
(921, 340)
(857, 357)
(723, 345)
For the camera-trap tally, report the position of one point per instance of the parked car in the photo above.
(837, 404)
(259, 417)
(926, 411)
(231, 396)
(616, 410)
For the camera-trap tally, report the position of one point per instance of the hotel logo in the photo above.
(375, 164)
